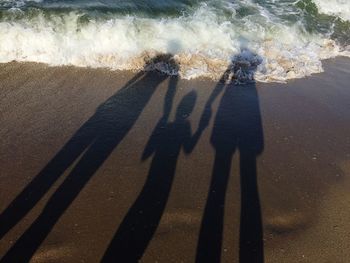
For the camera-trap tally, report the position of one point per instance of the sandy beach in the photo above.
(118, 166)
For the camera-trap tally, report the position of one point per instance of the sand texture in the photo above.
(121, 166)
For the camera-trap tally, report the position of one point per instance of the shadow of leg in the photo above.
(39, 186)
(211, 232)
(30, 241)
(142, 220)
(251, 247)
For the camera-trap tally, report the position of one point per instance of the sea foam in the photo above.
(203, 42)
(340, 8)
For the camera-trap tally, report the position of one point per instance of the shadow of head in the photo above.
(186, 106)
(243, 67)
(165, 62)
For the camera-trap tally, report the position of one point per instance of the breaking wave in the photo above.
(285, 36)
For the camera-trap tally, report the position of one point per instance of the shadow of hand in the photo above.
(205, 118)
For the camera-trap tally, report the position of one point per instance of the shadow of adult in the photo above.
(237, 128)
(139, 225)
(94, 142)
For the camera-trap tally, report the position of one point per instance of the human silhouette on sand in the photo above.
(94, 142)
(237, 128)
(142, 220)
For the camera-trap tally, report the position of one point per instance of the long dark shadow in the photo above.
(95, 140)
(139, 225)
(42, 182)
(237, 128)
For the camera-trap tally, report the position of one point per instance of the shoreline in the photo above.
(303, 171)
(130, 72)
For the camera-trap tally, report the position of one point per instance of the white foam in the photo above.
(202, 43)
(340, 8)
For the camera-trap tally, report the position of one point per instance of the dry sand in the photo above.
(68, 208)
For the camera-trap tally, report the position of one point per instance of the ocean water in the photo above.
(278, 39)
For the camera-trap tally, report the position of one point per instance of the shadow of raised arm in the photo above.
(207, 112)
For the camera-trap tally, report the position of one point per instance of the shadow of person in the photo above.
(237, 127)
(142, 219)
(94, 142)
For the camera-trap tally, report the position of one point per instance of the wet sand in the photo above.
(94, 167)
